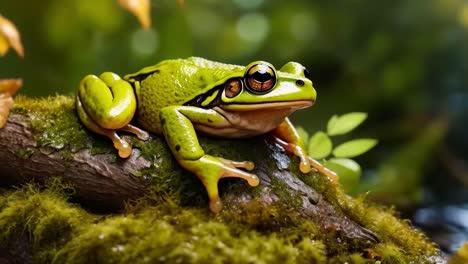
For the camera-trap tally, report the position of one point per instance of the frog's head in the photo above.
(260, 86)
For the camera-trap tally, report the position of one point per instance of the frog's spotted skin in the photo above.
(176, 98)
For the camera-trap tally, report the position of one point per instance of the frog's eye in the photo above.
(232, 88)
(260, 78)
(306, 73)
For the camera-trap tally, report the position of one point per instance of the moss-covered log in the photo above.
(290, 217)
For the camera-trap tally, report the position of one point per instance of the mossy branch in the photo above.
(97, 178)
(43, 139)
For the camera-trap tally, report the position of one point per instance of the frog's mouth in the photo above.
(293, 105)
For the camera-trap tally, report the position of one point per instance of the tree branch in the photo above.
(96, 178)
(26, 154)
(100, 180)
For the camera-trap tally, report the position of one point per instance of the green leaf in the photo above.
(320, 145)
(331, 123)
(348, 171)
(303, 134)
(339, 125)
(354, 147)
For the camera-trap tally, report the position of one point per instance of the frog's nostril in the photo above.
(300, 83)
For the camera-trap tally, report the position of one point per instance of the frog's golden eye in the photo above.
(232, 88)
(260, 78)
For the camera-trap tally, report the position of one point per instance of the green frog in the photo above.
(182, 97)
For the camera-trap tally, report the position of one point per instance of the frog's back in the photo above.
(174, 82)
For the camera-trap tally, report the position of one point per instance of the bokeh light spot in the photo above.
(253, 27)
(144, 42)
(303, 27)
(204, 23)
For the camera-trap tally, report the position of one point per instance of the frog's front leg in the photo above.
(178, 128)
(287, 137)
(106, 104)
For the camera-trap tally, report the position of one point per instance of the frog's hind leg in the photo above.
(108, 100)
(106, 104)
(121, 145)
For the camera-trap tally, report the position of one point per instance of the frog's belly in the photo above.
(246, 124)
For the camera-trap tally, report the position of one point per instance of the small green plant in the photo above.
(338, 158)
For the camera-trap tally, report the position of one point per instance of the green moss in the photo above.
(390, 253)
(389, 227)
(126, 239)
(67, 155)
(24, 154)
(45, 218)
(54, 122)
(318, 182)
(57, 128)
(61, 232)
(293, 199)
(403, 239)
(168, 179)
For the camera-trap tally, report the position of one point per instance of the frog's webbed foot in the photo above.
(211, 169)
(306, 162)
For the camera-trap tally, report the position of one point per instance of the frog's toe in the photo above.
(124, 148)
(140, 133)
(143, 135)
(229, 172)
(216, 205)
(248, 165)
(305, 166)
(306, 163)
(331, 175)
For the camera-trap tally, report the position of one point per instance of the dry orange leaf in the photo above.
(9, 37)
(141, 9)
(8, 87)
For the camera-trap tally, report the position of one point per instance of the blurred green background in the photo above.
(403, 62)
